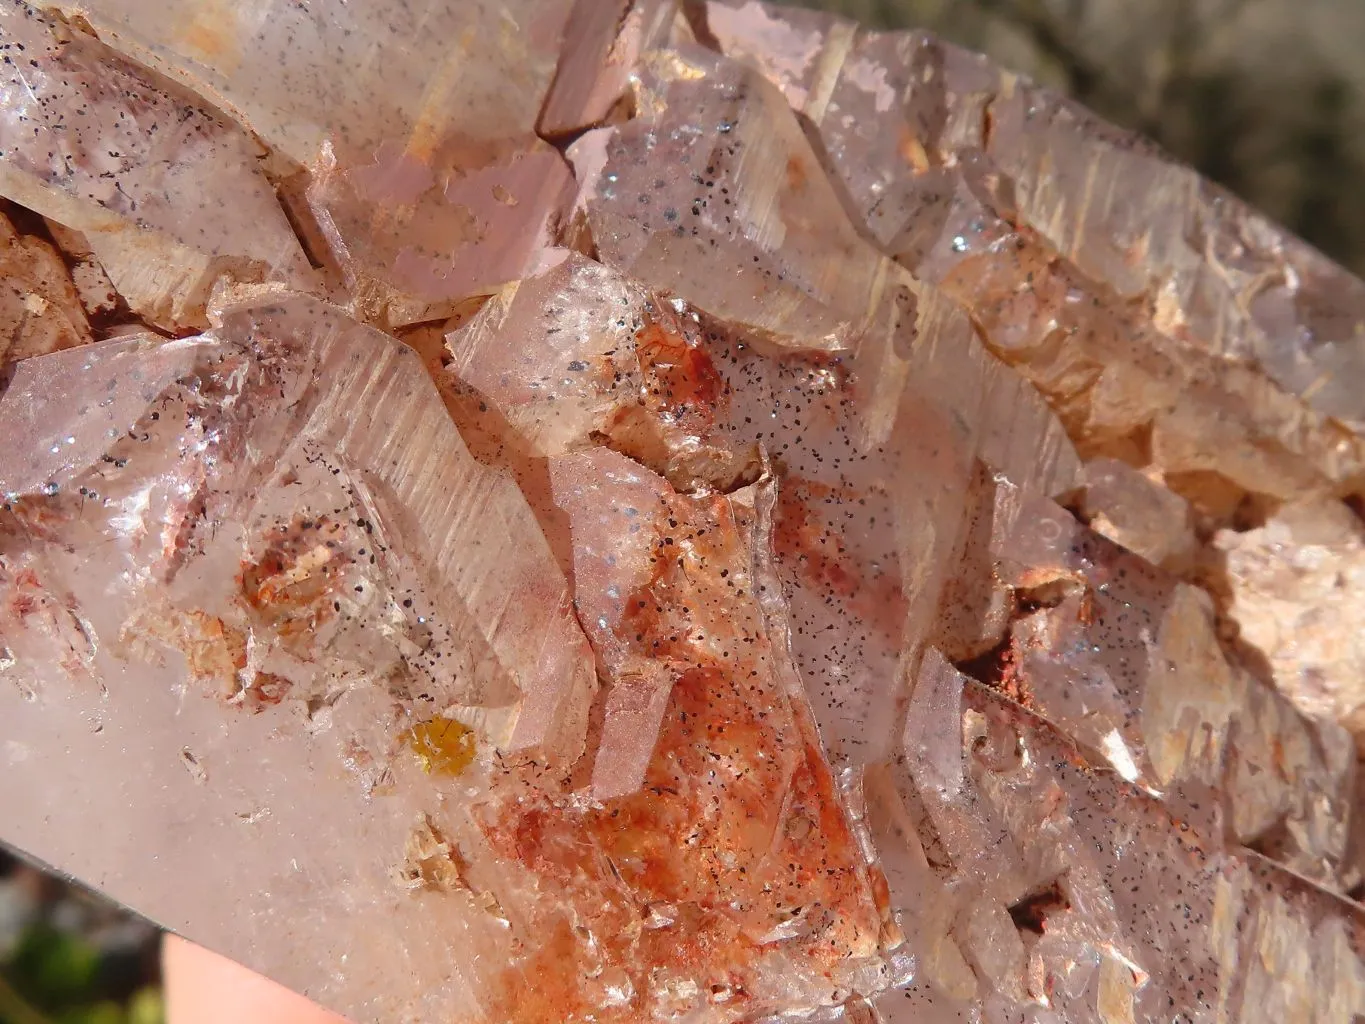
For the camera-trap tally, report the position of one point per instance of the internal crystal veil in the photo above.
(620, 511)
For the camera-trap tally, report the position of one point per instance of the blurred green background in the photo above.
(69, 957)
(1264, 96)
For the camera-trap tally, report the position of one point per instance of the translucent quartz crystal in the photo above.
(870, 515)
(798, 274)
(1069, 241)
(1030, 880)
(1169, 327)
(1222, 278)
(792, 556)
(418, 121)
(167, 193)
(1127, 661)
(281, 586)
(802, 274)
(602, 42)
(272, 65)
(1138, 513)
(713, 823)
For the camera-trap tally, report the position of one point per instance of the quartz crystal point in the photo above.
(893, 107)
(852, 538)
(1030, 880)
(1127, 661)
(746, 189)
(870, 519)
(1138, 513)
(417, 122)
(602, 43)
(168, 194)
(290, 588)
(713, 816)
(1043, 222)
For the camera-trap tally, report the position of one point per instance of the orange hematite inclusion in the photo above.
(291, 585)
(820, 556)
(723, 857)
(683, 373)
(733, 850)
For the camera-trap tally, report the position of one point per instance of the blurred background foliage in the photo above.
(70, 957)
(1264, 96)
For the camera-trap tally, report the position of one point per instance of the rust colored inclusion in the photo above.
(813, 550)
(733, 852)
(679, 373)
(290, 586)
(801, 537)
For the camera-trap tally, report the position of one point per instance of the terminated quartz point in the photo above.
(628, 512)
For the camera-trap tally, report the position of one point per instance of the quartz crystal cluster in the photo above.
(604, 510)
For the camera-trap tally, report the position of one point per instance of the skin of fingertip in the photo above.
(205, 988)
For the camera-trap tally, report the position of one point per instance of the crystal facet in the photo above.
(625, 511)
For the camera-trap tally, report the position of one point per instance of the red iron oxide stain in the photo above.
(801, 538)
(35, 518)
(290, 586)
(1085, 614)
(215, 651)
(814, 551)
(676, 899)
(26, 595)
(267, 691)
(707, 843)
(675, 371)
(1012, 679)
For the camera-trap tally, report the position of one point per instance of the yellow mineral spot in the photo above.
(443, 745)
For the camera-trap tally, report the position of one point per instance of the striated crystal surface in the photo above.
(292, 605)
(639, 512)
(416, 123)
(1048, 226)
(1127, 661)
(871, 516)
(1031, 880)
(897, 111)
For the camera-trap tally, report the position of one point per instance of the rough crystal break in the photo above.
(832, 545)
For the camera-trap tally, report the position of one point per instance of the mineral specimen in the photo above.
(168, 194)
(618, 511)
(1294, 583)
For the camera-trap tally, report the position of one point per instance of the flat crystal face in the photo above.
(616, 512)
